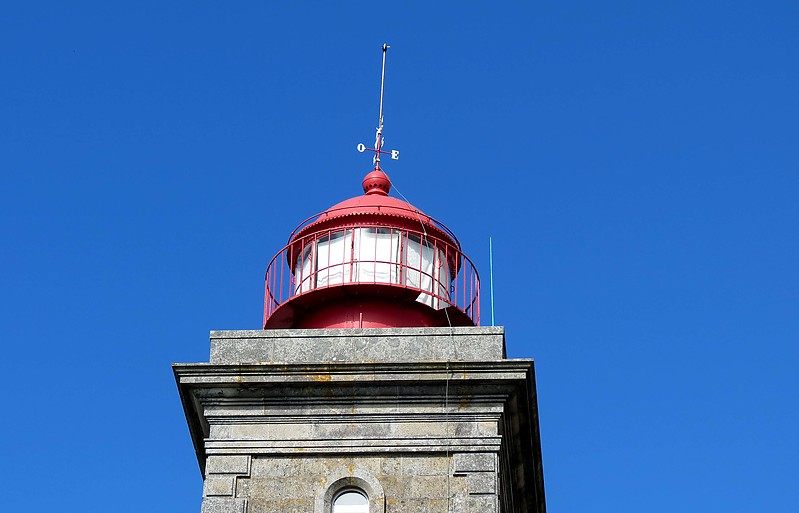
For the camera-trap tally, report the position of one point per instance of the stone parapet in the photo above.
(357, 345)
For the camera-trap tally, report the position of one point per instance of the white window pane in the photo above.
(334, 254)
(428, 270)
(302, 270)
(376, 255)
(351, 502)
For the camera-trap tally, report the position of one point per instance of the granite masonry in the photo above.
(422, 420)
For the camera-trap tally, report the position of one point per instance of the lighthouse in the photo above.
(372, 387)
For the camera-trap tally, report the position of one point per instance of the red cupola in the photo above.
(372, 261)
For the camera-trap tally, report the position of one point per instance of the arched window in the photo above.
(351, 500)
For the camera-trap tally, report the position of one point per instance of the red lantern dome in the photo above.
(369, 262)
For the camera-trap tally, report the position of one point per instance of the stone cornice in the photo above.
(203, 375)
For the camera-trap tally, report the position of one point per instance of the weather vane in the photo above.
(379, 141)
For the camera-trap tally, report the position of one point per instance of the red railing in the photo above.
(359, 254)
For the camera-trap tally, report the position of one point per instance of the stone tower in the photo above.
(372, 388)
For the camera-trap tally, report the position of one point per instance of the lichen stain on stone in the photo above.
(292, 504)
(321, 377)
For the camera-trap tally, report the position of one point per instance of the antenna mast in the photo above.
(378, 150)
(379, 134)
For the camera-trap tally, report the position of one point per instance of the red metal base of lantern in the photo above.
(364, 306)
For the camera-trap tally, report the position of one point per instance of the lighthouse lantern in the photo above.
(371, 261)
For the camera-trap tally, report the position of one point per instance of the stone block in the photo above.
(281, 488)
(474, 462)
(273, 467)
(280, 506)
(457, 504)
(390, 466)
(416, 487)
(481, 504)
(481, 482)
(416, 506)
(218, 485)
(217, 464)
(421, 466)
(457, 487)
(223, 505)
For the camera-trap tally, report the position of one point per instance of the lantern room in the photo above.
(369, 262)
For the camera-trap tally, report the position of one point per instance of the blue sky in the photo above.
(636, 164)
